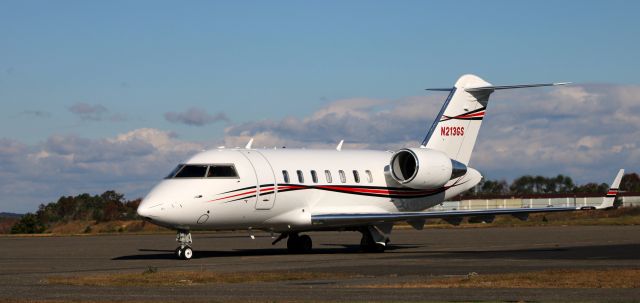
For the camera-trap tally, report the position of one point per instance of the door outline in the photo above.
(263, 202)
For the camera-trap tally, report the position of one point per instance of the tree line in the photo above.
(560, 184)
(105, 207)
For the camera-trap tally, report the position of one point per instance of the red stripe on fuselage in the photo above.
(376, 191)
(240, 194)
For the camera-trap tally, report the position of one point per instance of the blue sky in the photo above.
(204, 73)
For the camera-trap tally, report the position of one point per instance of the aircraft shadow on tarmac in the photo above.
(594, 252)
(591, 252)
(202, 254)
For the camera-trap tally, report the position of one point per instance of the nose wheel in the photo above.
(184, 251)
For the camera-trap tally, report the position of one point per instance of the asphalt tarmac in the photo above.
(25, 262)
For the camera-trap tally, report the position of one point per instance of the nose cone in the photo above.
(149, 209)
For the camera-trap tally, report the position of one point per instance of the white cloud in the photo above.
(195, 117)
(361, 122)
(95, 112)
(36, 113)
(88, 111)
(587, 131)
(67, 165)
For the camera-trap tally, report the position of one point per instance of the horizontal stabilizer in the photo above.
(440, 89)
(492, 88)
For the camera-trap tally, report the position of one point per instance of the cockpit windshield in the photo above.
(174, 171)
(204, 170)
(192, 171)
(222, 171)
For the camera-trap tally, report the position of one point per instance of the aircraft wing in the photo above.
(451, 216)
(417, 219)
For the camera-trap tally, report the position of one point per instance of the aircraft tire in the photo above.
(186, 253)
(178, 252)
(367, 245)
(293, 243)
(305, 243)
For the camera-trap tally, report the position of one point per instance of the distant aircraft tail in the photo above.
(456, 127)
(607, 201)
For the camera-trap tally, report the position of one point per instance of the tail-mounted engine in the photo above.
(423, 168)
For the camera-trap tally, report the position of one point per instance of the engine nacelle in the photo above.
(423, 168)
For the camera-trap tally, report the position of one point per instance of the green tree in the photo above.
(630, 183)
(565, 184)
(491, 187)
(522, 185)
(594, 188)
(28, 224)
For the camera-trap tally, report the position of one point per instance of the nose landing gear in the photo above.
(184, 251)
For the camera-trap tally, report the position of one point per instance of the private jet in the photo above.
(289, 192)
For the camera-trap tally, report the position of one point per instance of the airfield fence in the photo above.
(514, 202)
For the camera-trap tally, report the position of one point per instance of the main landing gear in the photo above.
(375, 238)
(184, 251)
(296, 243)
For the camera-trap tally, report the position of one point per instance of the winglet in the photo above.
(607, 201)
(339, 147)
(248, 146)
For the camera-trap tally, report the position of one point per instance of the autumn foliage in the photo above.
(105, 207)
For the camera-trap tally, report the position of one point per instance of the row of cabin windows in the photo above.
(327, 176)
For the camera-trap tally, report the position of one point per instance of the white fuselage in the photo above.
(261, 198)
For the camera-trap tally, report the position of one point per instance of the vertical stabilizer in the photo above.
(456, 127)
(608, 200)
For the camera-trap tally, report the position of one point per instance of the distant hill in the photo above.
(11, 215)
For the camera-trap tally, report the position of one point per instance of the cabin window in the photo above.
(192, 171)
(222, 171)
(343, 178)
(314, 176)
(369, 176)
(285, 176)
(300, 176)
(356, 176)
(327, 175)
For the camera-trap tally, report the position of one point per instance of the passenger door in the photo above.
(265, 178)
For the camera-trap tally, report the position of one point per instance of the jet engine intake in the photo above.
(423, 168)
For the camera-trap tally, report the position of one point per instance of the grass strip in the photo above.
(153, 277)
(609, 278)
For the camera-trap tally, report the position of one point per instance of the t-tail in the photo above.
(607, 201)
(456, 127)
